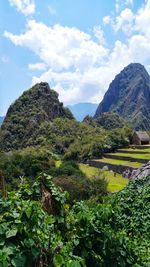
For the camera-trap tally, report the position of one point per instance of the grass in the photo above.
(58, 163)
(147, 150)
(115, 183)
(136, 156)
(121, 162)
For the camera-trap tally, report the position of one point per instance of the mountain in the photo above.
(81, 110)
(1, 120)
(110, 120)
(129, 96)
(36, 105)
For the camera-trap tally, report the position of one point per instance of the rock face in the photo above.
(36, 105)
(129, 96)
(142, 172)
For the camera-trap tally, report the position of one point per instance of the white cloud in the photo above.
(121, 4)
(143, 19)
(71, 56)
(37, 66)
(124, 21)
(60, 47)
(78, 67)
(99, 34)
(107, 20)
(27, 7)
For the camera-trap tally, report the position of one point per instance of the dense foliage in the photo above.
(77, 141)
(31, 162)
(37, 118)
(110, 120)
(115, 233)
(24, 117)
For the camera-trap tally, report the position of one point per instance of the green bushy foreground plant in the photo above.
(115, 233)
(30, 163)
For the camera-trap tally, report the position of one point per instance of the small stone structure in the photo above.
(140, 138)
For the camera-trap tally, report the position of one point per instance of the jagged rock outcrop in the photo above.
(142, 172)
(129, 96)
(36, 105)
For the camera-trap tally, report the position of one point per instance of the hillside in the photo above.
(110, 120)
(36, 105)
(81, 110)
(129, 96)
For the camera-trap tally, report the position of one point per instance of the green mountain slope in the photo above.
(129, 96)
(36, 105)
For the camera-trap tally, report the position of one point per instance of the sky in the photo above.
(77, 46)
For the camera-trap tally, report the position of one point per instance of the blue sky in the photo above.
(76, 46)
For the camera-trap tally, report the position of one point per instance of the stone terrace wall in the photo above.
(113, 167)
(125, 158)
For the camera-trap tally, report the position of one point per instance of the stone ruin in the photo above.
(143, 171)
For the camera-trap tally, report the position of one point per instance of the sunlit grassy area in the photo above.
(58, 163)
(115, 183)
(121, 162)
(136, 156)
(137, 150)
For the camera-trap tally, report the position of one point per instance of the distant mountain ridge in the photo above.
(81, 110)
(1, 120)
(37, 105)
(129, 96)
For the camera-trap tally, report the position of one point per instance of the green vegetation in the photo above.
(24, 118)
(56, 211)
(74, 140)
(110, 120)
(121, 162)
(38, 119)
(115, 180)
(31, 162)
(113, 233)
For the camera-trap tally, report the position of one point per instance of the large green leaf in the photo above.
(11, 233)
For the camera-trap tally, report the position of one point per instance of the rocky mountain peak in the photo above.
(129, 96)
(37, 105)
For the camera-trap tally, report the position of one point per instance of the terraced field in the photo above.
(123, 159)
(135, 150)
(121, 162)
(115, 180)
(137, 155)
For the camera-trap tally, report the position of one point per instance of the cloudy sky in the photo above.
(78, 46)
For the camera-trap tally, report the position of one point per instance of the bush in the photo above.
(69, 168)
(81, 188)
(28, 163)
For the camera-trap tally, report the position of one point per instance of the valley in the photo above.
(68, 192)
(74, 133)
